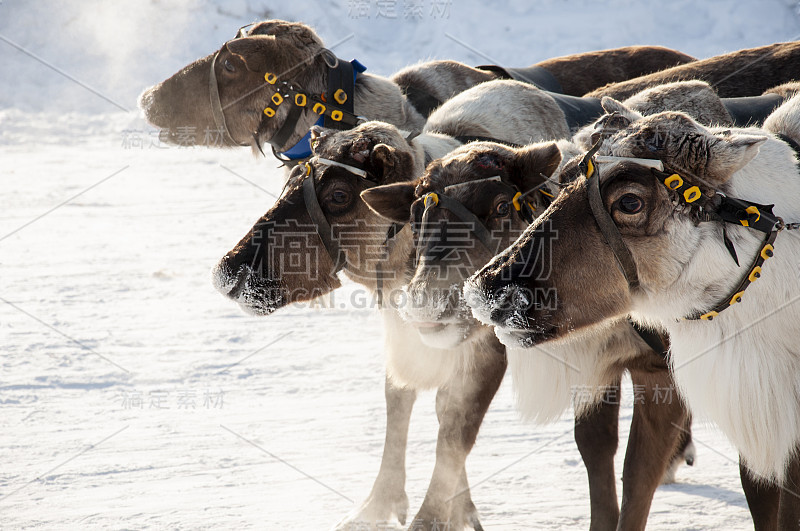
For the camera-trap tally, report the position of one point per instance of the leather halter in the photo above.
(337, 113)
(606, 223)
(524, 209)
(318, 218)
(323, 227)
(213, 90)
(216, 105)
(720, 209)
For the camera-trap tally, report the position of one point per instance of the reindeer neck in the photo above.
(428, 147)
(379, 98)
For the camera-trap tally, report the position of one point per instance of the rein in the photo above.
(719, 208)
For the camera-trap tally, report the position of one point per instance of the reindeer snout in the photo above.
(232, 272)
(228, 281)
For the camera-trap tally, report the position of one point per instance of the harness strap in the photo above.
(533, 75)
(723, 209)
(317, 216)
(578, 111)
(341, 84)
(216, 105)
(789, 140)
(394, 228)
(321, 222)
(464, 214)
(751, 110)
(653, 339)
(608, 228)
(335, 108)
(477, 227)
(753, 274)
(286, 130)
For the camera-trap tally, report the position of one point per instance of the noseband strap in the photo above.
(318, 217)
(607, 226)
(216, 105)
(321, 223)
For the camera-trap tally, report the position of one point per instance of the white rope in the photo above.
(650, 163)
(494, 178)
(352, 169)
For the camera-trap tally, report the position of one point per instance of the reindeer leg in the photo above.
(463, 509)
(789, 507)
(763, 499)
(461, 406)
(597, 437)
(656, 429)
(685, 452)
(388, 496)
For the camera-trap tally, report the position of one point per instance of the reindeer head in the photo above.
(285, 257)
(696, 98)
(682, 266)
(466, 207)
(180, 105)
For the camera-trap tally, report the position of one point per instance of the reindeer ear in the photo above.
(610, 105)
(267, 53)
(533, 161)
(392, 201)
(392, 163)
(317, 133)
(732, 153)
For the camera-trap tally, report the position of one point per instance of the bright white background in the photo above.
(107, 299)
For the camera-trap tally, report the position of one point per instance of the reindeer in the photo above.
(233, 80)
(747, 72)
(678, 232)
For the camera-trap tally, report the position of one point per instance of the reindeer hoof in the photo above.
(377, 513)
(402, 512)
(689, 454)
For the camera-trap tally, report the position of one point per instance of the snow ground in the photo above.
(107, 309)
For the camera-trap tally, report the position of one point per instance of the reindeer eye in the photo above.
(340, 197)
(229, 66)
(630, 204)
(502, 209)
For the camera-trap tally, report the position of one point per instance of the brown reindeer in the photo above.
(294, 52)
(468, 206)
(748, 72)
(681, 233)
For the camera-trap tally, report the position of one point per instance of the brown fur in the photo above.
(785, 90)
(610, 66)
(747, 72)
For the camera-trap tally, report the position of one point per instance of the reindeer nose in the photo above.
(231, 273)
(227, 280)
(493, 296)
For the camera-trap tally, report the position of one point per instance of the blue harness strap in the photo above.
(302, 149)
